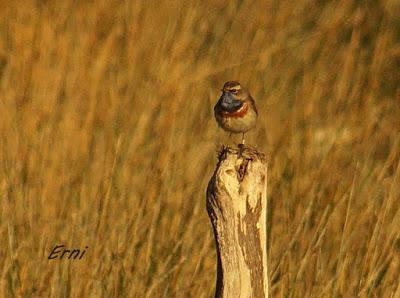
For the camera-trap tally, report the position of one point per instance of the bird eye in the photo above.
(234, 91)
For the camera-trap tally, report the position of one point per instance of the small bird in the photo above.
(235, 110)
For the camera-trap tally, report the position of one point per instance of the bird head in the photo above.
(233, 96)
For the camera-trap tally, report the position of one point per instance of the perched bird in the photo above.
(235, 110)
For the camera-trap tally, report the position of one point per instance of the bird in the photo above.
(235, 110)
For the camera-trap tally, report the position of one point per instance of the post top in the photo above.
(242, 152)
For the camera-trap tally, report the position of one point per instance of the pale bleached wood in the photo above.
(237, 207)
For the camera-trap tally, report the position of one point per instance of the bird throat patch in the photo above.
(239, 113)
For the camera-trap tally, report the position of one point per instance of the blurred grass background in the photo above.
(107, 140)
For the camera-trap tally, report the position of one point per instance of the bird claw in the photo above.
(240, 150)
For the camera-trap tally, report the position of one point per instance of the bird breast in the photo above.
(239, 121)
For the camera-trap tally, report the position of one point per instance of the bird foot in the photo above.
(241, 149)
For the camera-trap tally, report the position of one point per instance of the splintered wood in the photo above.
(237, 207)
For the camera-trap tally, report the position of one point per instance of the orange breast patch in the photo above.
(239, 113)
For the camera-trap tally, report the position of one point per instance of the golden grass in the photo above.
(107, 140)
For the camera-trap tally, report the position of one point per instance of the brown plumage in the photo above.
(235, 110)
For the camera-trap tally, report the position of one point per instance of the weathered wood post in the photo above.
(237, 207)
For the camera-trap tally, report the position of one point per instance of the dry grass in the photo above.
(107, 140)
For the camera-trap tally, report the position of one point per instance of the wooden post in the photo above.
(237, 207)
